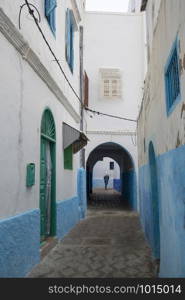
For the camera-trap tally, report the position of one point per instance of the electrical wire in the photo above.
(31, 12)
(21, 7)
(107, 115)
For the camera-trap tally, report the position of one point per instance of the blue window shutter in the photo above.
(172, 79)
(72, 49)
(72, 40)
(68, 40)
(50, 5)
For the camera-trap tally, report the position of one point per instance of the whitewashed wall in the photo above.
(24, 96)
(169, 132)
(111, 41)
(103, 167)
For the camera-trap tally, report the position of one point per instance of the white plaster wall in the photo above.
(111, 40)
(103, 167)
(152, 12)
(24, 96)
(36, 42)
(166, 133)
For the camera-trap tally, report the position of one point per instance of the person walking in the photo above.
(106, 180)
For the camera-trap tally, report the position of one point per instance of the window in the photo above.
(110, 83)
(68, 158)
(172, 80)
(111, 165)
(50, 13)
(70, 38)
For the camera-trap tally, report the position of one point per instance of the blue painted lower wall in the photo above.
(117, 185)
(129, 188)
(68, 216)
(19, 244)
(171, 190)
(82, 192)
(99, 183)
(71, 211)
(20, 235)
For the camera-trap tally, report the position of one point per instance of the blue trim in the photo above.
(129, 188)
(171, 187)
(170, 102)
(67, 215)
(82, 192)
(50, 13)
(19, 244)
(117, 185)
(99, 183)
(70, 39)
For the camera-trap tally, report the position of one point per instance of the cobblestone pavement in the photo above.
(109, 243)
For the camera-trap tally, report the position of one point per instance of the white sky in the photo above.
(107, 5)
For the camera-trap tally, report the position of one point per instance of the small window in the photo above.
(111, 165)
(110, 83)
(70, 39)
(68, 158)
(172, 79)
(50, 13)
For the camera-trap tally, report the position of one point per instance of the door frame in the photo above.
(52, 144)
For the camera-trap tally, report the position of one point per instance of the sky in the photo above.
(107, 5)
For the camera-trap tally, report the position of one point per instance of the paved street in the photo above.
(109, 243)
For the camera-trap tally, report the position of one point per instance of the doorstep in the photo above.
(47, 246)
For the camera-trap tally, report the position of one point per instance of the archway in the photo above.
(47, 176)
(154, 201)
(106, 166)
(127, 170)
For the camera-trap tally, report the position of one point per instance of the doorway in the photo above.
(47, 177)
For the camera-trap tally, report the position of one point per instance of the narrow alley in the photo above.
(109, 243)
(92, 148)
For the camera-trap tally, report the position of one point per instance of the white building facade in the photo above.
(40, 197)
(116, 75)
(161, 140)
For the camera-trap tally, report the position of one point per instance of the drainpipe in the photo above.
(82, 151)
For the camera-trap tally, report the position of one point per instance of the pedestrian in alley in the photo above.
(106, 180)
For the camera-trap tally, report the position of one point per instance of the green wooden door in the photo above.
(47, 177)
(43, 189)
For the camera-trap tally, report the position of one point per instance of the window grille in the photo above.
(110, 83)
(172, 79)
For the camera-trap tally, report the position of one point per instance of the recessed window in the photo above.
(110, 83)
(172, 79)
(68, 158)
(50, 13)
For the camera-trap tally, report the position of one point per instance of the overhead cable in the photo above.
(31, 12)
(108, 115)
